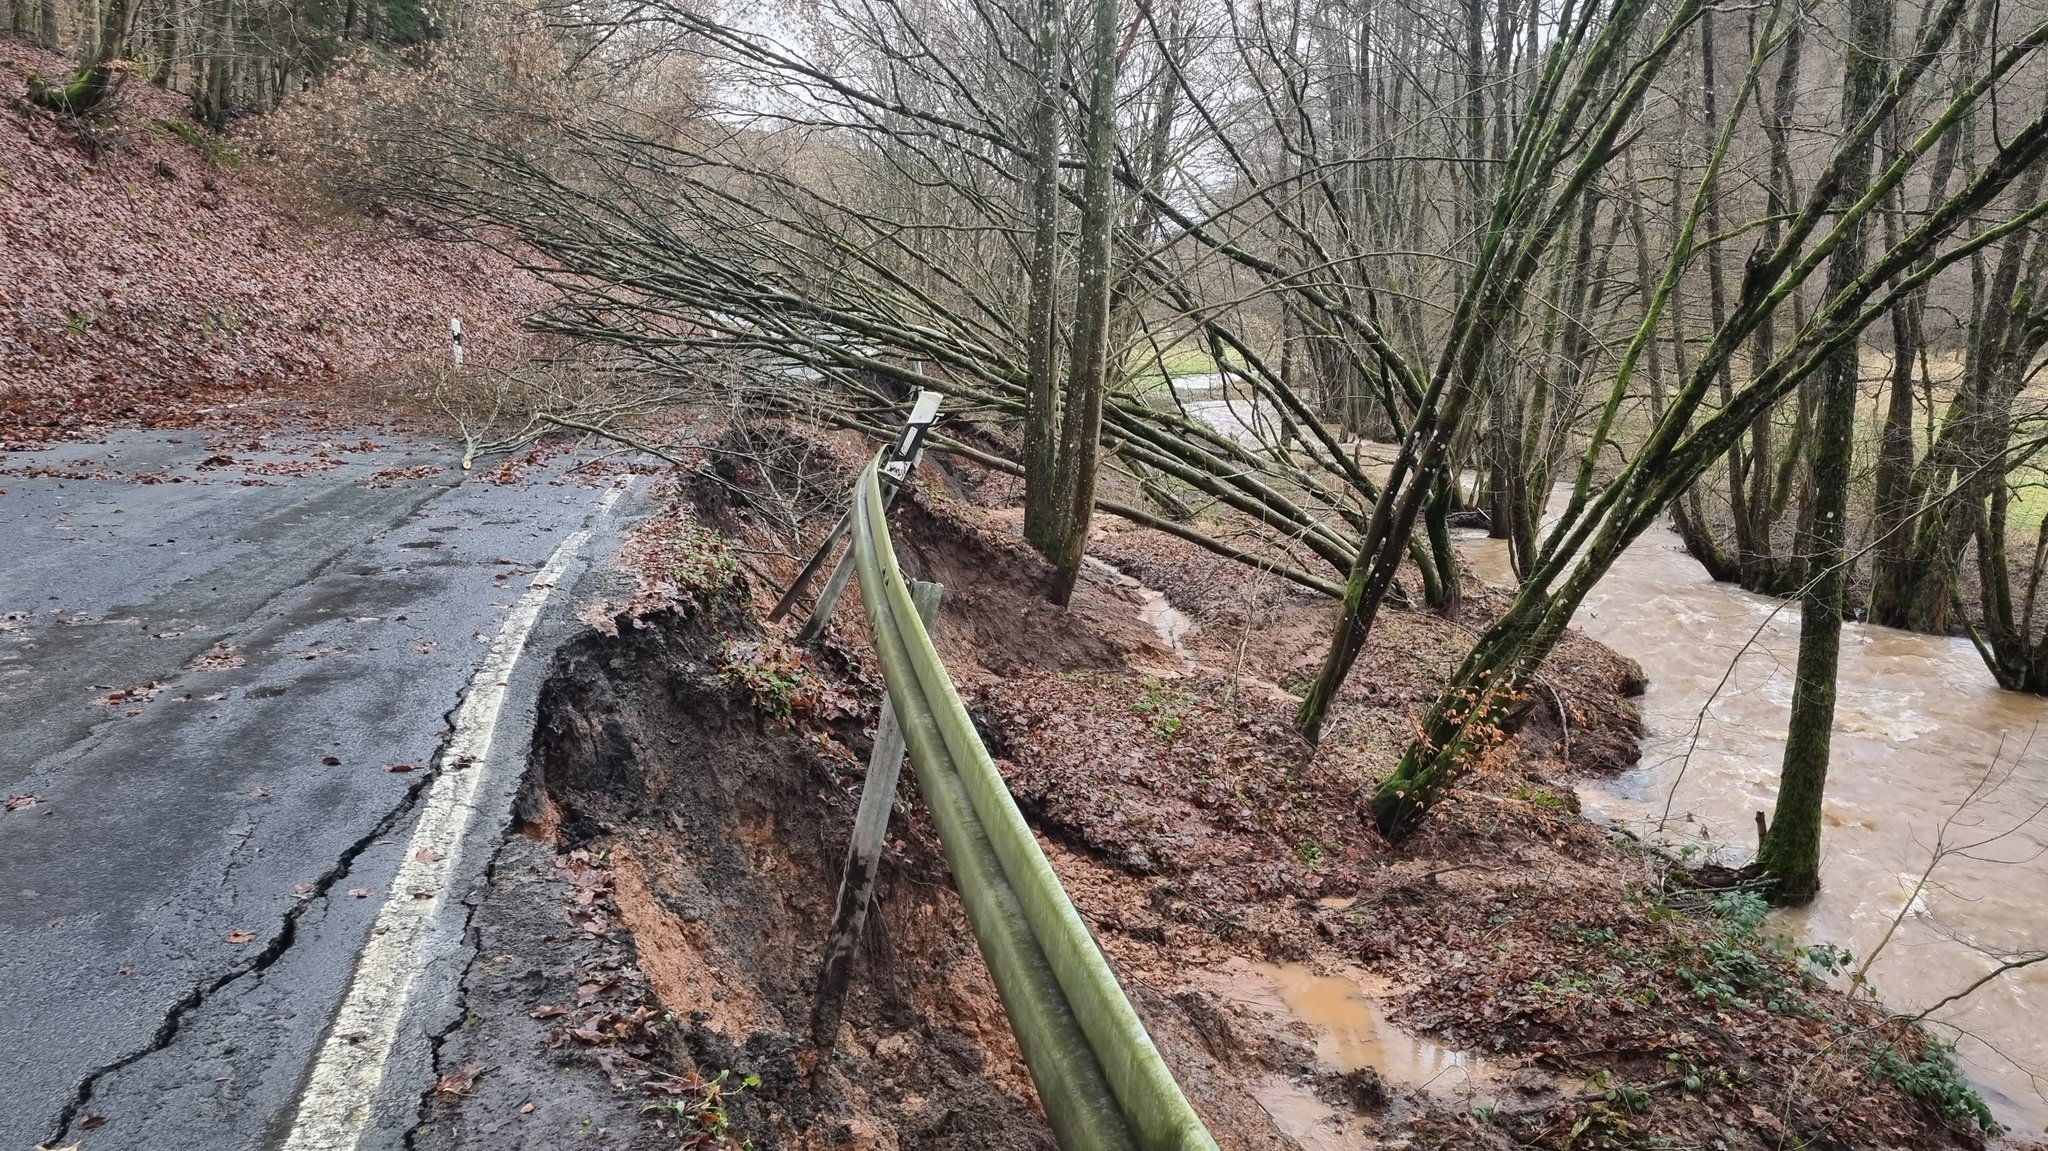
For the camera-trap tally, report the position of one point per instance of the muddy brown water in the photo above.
(1345, 1013)
(1927, 750)
(1919, 728)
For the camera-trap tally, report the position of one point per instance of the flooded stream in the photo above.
(1922, 736)
(1928, 753)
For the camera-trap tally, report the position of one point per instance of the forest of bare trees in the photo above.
(1559, 268)
(229, 56)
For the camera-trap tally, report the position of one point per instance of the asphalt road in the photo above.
(207, 676)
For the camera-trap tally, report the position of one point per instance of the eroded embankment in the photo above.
(717, 822)
(721, 830)
(1510, 975)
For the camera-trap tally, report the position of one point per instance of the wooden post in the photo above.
(821, 615)
(864, 853)
(803, 578)
(903, 457)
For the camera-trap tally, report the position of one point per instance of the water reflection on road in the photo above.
(1919, 724)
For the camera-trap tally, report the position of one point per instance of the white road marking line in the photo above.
(335, 1108)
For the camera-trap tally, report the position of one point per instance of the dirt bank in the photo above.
(151, 272)
(1511, 975)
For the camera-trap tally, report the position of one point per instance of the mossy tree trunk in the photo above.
(1088, 369)
(1790, 853)
(100, 78)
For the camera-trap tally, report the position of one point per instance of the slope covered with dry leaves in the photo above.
(150, 273)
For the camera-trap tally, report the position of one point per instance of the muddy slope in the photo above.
(696, 774)
(716, 825)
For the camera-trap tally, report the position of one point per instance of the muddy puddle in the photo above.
(1172, 625)
(1923, 735)
(1343, 1012)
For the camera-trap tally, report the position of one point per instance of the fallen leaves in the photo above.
(20, 802)
(220, 657)
(239, 937)
(458, 1084)
(154, 305)
(331, 760)
(601, 616)
(141, 694)
(398, 768)
(391, 477)
(362, 892)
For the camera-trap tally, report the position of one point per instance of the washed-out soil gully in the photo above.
(712, 827)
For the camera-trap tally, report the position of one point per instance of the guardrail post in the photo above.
(814, 628)
(810, 569)
(902, 460)
(864, 852)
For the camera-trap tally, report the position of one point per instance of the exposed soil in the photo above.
(697, 774)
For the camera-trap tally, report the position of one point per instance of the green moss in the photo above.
(211, 148)
(85, 92)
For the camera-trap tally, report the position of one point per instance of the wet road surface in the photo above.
(226, 692)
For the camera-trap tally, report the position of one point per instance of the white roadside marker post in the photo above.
(902, 459)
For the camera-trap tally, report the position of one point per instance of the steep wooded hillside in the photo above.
(151, 271)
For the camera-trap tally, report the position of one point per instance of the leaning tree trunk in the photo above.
(1088, 370)
(1790, 853)
(1042, 410)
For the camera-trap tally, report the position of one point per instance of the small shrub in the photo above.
(774, 678)
(1934, 1078)
(701, 1109)
(692, 556)
(1164, 707)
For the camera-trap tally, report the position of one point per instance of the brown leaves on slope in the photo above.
(156, 281)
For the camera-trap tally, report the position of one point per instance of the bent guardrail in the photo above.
(1099, 1077)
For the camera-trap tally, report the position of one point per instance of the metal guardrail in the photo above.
(1099, 1077)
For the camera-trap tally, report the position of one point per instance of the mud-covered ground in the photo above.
(647, 959)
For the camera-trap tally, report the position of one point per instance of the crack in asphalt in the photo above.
(472, 941)
(403, 807)
(167, 1031)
